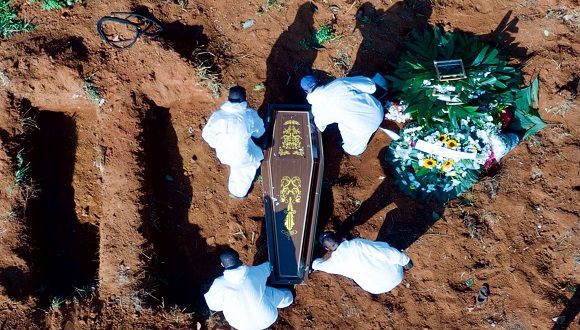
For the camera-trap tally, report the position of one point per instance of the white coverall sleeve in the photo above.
(320, 123)
(263, 270)
(328, 266)
(209, 133)
(257, 124)
(362, 84)
(215, 298)
(385, 252)
(318, 110)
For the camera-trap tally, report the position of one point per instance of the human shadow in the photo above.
(181, 264)
(403, 225)
(333, 154)
(503, 37)
(569, 313)
(383, 33)
(289, 61)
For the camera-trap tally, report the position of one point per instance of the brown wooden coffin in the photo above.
(292, 175)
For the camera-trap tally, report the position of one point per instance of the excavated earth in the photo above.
(117, 222)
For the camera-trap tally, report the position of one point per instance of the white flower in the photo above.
(397, 113)
(401, 153)
(420, 155)
(481, 134)
(413, 129)
(426, 82)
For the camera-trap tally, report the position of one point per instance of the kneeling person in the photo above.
(229, 131)
(375, 266)
(349, 103)
(241, 293)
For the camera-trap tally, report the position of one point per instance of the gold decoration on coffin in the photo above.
(291, 139)
(290, 193)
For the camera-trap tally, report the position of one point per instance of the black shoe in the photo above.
(483, 294)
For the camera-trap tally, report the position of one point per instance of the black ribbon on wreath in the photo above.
(122, 29)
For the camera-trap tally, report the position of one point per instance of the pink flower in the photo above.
(489, 162)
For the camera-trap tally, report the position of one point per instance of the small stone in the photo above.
(484, 7)
(248, 23)
(546, 33)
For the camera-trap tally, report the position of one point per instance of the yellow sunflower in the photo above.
(452, 144)
(442, 138)
(447, 165)
(429, 163)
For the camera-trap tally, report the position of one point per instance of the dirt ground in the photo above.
(118, 223)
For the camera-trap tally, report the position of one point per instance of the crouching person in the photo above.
(241, 293)
(374, 266)
(349, 103)
(229, 131)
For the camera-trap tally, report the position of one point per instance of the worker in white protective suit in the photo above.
(349, 103)
(241, 293)
(374, 266)
(229, 131)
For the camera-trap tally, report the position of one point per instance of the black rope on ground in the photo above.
(139, 24)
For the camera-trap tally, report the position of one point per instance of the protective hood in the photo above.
(234, 107)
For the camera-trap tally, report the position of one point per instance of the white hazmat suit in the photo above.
(349, 103)
(229, 131)
(244, 298)
(375, 266)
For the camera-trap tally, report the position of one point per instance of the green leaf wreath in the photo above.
(490, 85)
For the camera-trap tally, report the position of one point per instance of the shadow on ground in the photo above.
(181, 264)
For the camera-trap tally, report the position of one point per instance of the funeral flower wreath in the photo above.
(460, 120)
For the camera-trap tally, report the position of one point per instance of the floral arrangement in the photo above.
(489, 87)
(395, 111)
(462, 103)
(440, 162)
